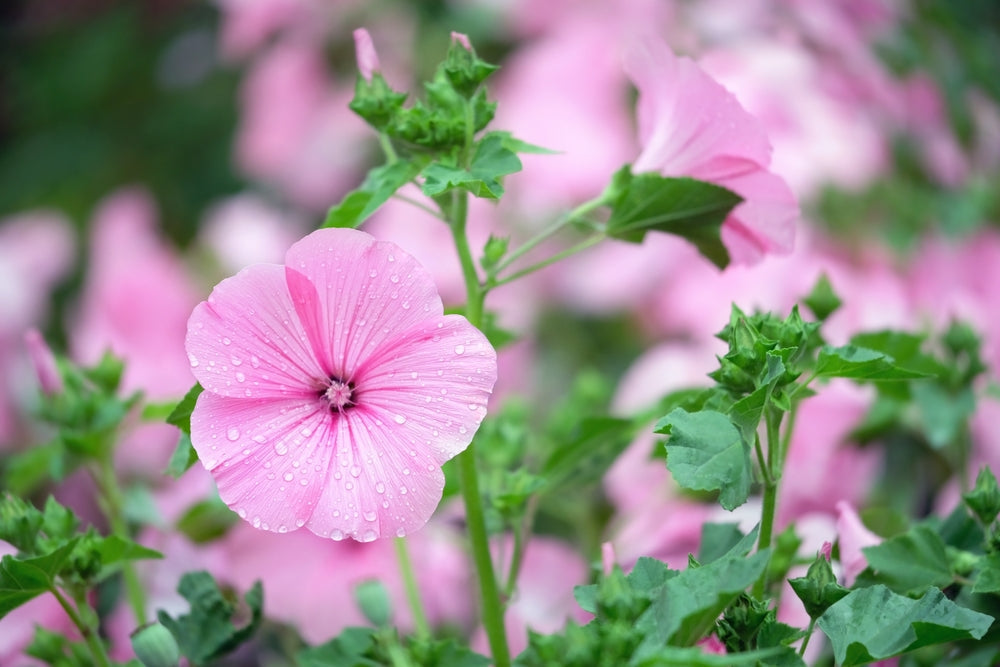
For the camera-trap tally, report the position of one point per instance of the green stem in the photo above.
(492, 610)
(423, 628)
(390, 152)
(87, 632)
(113, 504)
(772, 421)
(805, 640)
(579, 247)
(548, 232)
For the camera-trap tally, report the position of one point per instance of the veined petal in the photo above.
(246, 340)
(380, 485)
(431, 384)
(688, 122)
(365, 293)
(764, 222)
(269, 457)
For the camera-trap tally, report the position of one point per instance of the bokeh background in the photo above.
(149, 149)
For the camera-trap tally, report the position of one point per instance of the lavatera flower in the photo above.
(335, 389)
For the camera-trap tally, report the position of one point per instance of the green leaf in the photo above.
(822, 300)
(687, 605)
(56, 649)
(379, 185)
(717, 539)
(585, 456)
(512, 143)
(911, 562)
(691, 209)
(114, 550)
(860, 363)
(988, 577)
(208, 631)
(23, 579)
(674, 656)
(206, 520)
(706, 452)
(348, 649)
(874, 624)
(184, 455)
(491, 162)
(373, 600)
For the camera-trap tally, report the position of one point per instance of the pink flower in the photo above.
(335, 388)
(691, 126)
(853, 537)
(368, 64)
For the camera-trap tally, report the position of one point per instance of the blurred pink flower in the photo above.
(691, 126)
(853, 537)
(365, 54)
(335, 388)
(246, 229)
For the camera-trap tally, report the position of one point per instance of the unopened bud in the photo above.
(364, 48)
(154, 646)
(44, 362)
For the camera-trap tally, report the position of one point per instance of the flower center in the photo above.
(340, 395)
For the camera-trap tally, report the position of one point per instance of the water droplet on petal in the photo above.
(406, 471)
(226, 341)
(402, 490)
(473, 406)
(462, 430)
(240, 377)
(399, 419)
(380, 488)
(282, 528)
(194, 360)
(281, 449)
(459, 349)
(299, 523)
(336, 534)
(400, 532)
(288, 476)
(242, 513)
(303, 482)
(372, 273)
(369, 536)
(355, 471)
(233, 434)
(349, 485)
(254, 361)
(370, 516)
(236, 361)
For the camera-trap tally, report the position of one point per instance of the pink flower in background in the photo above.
(692, 126)
(335, 388)
(853, 537)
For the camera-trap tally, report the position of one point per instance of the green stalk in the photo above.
(583, 245)
(492, 611)
(423, 628)
(112, 503)
(89, 636)
(772, 420)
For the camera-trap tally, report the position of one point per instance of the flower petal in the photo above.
(764, 222)
(379, 485)
(364, 293)
(246, 339)
(690, 124)
(431, 384)
(269, 457)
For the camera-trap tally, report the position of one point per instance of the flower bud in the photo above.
(368, 63)
(154, 646)
(44, 362)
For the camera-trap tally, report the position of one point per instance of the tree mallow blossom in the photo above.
(335, 388)
(691, 126)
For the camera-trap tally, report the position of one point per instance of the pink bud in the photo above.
(44, 362)
(826, 550)
(608, 558)
(368, 63)
(462, 39)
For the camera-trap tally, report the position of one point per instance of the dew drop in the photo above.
(380, 488)
(355, 471)
(255, 361)
(405, 305)
(236, 361)
(459, 349)
(242, 513)
(336, 534)
(288, 476)
(233, 434)
(473, 406)
(240, 377)
(259, 439)
(414, 375)
(194, 360)
(281, 449)
(406, 471)
(370, 516)
(303, 482)
(299, 523)
(385, 504)
(399, 419)
(462, 430)
(402, 490)
(337, 475)
(226, 341)
(369, 536)
(282, 528)
(400, 532)
(349, 485)
(372, 273)
(392, 258)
